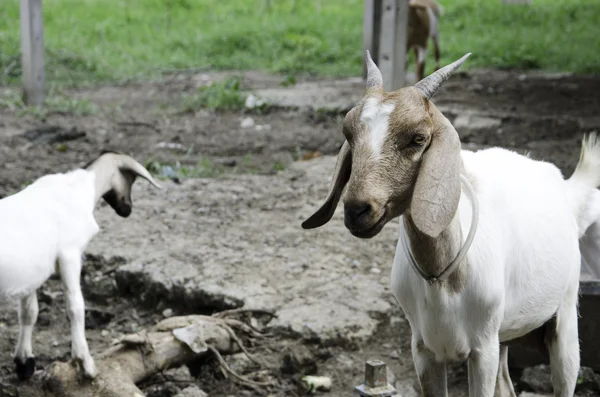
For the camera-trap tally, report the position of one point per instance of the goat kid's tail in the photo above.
(587, 172)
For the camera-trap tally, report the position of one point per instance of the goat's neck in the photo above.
(103, 173)
(434, 254)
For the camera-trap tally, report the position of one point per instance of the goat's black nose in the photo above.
(352, 211)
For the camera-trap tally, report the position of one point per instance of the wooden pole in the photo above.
(371, 31)
(392, 43)
(32, 51)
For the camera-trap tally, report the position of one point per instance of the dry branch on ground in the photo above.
(171, 343)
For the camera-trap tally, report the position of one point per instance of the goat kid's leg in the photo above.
(23, 357)
(504, 386)
(436, 52)
(421, 53)
(563, 346)
(70, 271)
(483, 368)
(431, 373)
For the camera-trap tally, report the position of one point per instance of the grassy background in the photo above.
(99, 40)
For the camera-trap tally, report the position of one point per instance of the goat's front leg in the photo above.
(23, 358)
(431, 373)
(504, 386)
(70, 271)
(483, 368)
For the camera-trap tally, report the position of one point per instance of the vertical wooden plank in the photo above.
(371, 31)
(32, 51)
(392, 43)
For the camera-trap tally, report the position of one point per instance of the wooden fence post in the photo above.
(385, 31)
(32, 51)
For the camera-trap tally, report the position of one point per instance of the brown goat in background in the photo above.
(423, 23)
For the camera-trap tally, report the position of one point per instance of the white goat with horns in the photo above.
(45, 228)
(518, 267)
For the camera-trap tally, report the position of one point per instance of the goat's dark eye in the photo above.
(419, 140)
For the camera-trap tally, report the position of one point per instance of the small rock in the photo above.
(299, 359)
(248, 122)
(172, 146)
(253, 102)
(375, 270)
(192, 391)
(54, 343)
(167, 313)
(314, 383)
(537, 379)
(394, 355)
(104, 333)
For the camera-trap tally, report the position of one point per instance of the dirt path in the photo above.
(230, 236)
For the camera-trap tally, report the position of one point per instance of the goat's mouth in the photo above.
(372, 230)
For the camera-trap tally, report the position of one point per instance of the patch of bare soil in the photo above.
(235, 232)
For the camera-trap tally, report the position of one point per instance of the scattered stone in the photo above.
(299, 359)
(172, 146)
(537, 379)
(105, 333)
(192, 391)
(253, 101)
(317, 383)
(167, 313)
(54, 343)
(375, 270)
(394, 355)
(248, 122)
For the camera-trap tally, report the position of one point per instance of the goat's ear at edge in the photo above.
(341, 175)
(437, 189)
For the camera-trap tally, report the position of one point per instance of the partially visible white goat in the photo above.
(518, 268)
(45, 228)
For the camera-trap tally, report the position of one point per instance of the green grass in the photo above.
(222, 95)
(56, 102)
(99, 40)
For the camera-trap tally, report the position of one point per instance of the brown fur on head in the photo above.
(400, 155)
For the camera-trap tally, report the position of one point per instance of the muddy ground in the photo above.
(225, 232)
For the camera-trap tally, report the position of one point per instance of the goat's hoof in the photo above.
(86, 367)
(25, 369)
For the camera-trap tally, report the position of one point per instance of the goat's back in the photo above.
(48, 217)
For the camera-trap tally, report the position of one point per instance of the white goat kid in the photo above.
(45, 228)
(518, 268)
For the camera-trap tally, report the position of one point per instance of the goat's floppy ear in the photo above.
(341, 175)
(437, 189)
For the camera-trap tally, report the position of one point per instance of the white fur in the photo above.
(44, 227)
(523, 268)
(376, 116)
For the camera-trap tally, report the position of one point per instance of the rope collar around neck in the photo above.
(451, 268)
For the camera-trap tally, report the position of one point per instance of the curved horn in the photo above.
(374, 77)
(139, 169)
(430, 84)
